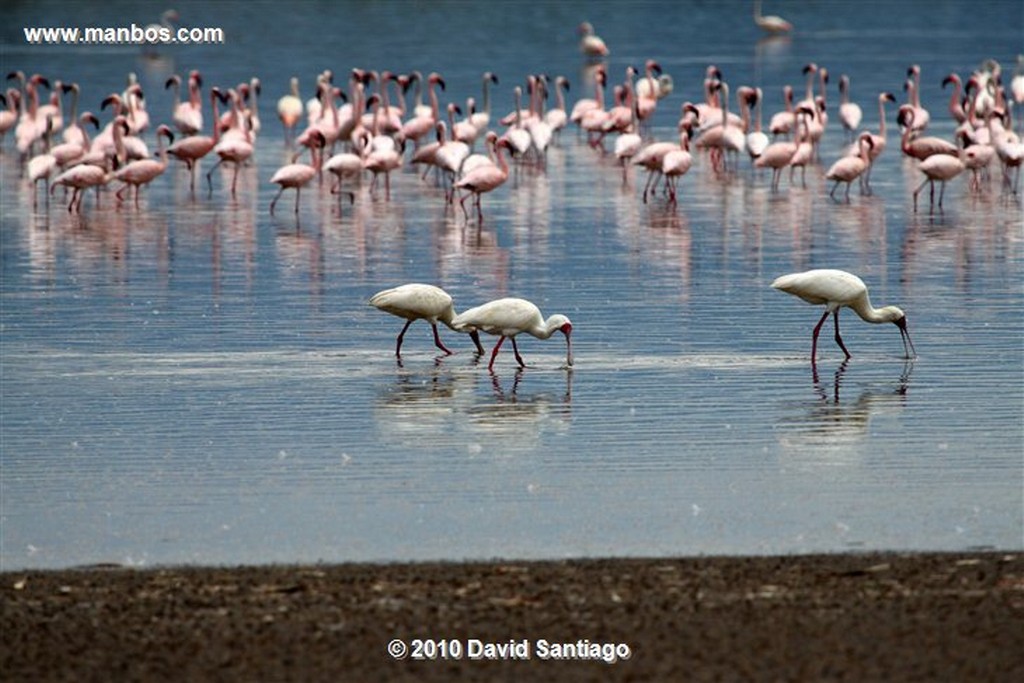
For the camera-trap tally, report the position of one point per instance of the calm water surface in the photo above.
(200, 382)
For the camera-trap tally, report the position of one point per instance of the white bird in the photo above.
(835, 289)
(591, 44)
(850, 113)
(421, 302)
(508, 317)
(770, 23)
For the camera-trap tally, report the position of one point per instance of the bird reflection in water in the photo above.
(834, 428)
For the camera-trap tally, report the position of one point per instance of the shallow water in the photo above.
(198, 381)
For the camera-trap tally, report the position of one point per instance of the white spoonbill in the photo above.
(508, 317)
(835, 289)
(417, 301)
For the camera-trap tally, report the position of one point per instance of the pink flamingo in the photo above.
(235, 149)
(847, 168)
(80, 177)
(878, 141)
(484, 179)
(289, 109)
(921, 147)
(296, 175)
(9, 115)
(850, 113)
(941, 167)
(143, 171)
(193, 148)
(187, 116)
(913, 87)
(676, 164)
(778, 155)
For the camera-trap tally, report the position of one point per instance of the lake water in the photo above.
(200, 382)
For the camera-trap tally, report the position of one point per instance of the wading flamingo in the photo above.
(484, 178)
(509, 317)
(421, 302)
(142, 171)
(835, 289)
(941, 167)
(295, 174)
(847, 169)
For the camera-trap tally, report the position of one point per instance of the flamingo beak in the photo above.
(905, 335)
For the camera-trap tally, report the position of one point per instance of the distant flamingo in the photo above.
(509, 317)
(941, 167)
(920, 147)
(591, 45)
(770, 23)
(289, 109)
(417, 301)
(142, 171)
(79, 178)
(235, 149)
(676, 164)
(921, 117)
(848, 168)
(193, 148)
(9, 115)
(557, 117)
(778, 155)
(481, 119)
(483, 179)
(849, 112)
(295, 175)
(878, 141)
(835, 289)
(187, 116)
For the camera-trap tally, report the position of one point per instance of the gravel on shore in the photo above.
(853, 617)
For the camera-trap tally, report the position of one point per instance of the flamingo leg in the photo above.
(209, 174)
(515, 349)
(839, 340)
(814, 337)
(494, 353)
(298, 189)
(234, 180)
(918, 190)
(276, 197)
(137, 188)
(401, 336)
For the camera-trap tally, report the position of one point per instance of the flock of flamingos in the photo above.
(369, 128)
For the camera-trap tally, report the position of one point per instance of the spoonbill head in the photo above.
(509, 317)
(835, 289)
(416, 301)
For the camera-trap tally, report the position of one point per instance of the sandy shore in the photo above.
(853, 617)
